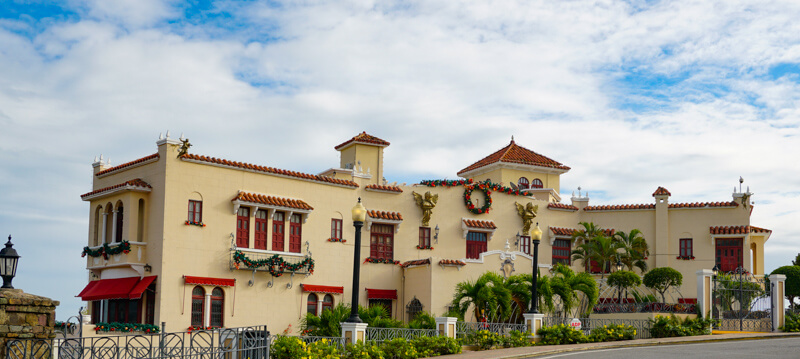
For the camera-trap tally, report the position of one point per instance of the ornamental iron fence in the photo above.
(467, 328)
(743, 302)
(383, 334)
(339, 342)
(642, 326)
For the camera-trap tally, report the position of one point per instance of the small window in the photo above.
(476, 244)
(413, 308)
(522, 183)
(327, 302)
(561, 251)
(687, 250)
(336, 229)
(311, 305)
(424, 237)
(525, 244)
(195, 211)
(120, 214)
(217, 307)
(198, 306)
(381, 243)
(537, 183)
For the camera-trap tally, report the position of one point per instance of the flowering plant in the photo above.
(192, 223)
(423, 247)
(381, 260)
(340, 240)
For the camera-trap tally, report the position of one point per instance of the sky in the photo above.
(689, 95)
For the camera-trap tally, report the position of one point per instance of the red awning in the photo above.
(209, 281)
(117, 288)
(140, 287)
(322, 289)
(381, 293)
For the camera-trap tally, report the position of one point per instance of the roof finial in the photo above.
(167, 134)
(741, 180)
(512, 138)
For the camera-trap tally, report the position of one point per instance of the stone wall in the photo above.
(25, 316)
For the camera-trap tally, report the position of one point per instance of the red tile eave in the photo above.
(562, 232)
(620, 207)
(474, 223)
(392, 216)
(515, 154)
(363, 137)
(561, 206)
(271, 200)
(754, 229)
(452, 262)
(661, 191)
(270, 170)
(382, 188)
(127, 164)
(723, 230)
(132, 183)
(416, 262)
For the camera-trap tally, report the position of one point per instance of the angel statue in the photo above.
(426, 203)
(528, 213)
(184, 147)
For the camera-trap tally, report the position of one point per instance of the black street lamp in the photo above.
(359, 215)
(8, 263)
(715, 270)
(536, 236)
(619, 290)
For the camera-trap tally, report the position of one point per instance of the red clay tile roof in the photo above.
(474, 223)
(363, 137)
(660, 191)
(394, 216)
(451, 262)
(270, 170)
(377, 187)
(568, 207)
(515, 154)
(272, 201)
(558, 231)
(134, 183)
(416, 262)
(737, 230)
(127, 164)
(703, 204)
(619, 207)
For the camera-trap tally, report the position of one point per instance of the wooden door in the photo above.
(729, 254)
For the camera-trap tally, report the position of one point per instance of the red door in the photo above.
(243, 227)
(261, 229)
(277, 231)
(729, 254)
(295, 231)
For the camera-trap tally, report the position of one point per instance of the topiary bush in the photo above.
(661, 279)
(561, 334)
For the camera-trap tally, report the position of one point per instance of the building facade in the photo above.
(193, 240)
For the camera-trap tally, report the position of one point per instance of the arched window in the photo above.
(312, 303)
(198, 306)
(217, 307)
(98, 220)
(537, 183)
(108, 221)
(522, 183)
(118, 227)
(327, 302)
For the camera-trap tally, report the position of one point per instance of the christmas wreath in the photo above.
(487, 203)
(275, 264)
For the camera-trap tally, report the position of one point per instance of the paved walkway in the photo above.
(528, 352)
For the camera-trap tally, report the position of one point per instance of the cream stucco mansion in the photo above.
(193, 240)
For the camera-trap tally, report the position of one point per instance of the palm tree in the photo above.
(567, 286)
(327, 324)
(634, 249)
(487, 295)
(599, 249)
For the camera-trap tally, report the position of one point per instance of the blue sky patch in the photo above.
(790, 70)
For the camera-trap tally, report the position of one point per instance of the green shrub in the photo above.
(672, 326)
(484, 339)
(399, 348)
(434, 346)
(661, 279)
(423, 320)
(516, 339)
(611, 333)
(561, 334)
(287, 348)
(322, 349)
(792, 323)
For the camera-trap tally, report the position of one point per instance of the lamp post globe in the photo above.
(359, 215)
(536, 237)
(8, 263)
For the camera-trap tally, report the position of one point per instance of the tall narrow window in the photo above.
(522, 183)
(381, 243)
(336, 229)
(424, 237)
(687, 250)
(311, 304)
(198, 306)
(561, 251)
(278, 226)
(98, 219)
(108, 220)
(295, 233)
(140, 222)
(476, 244)
(120, 213)
(525, 244)
(537, 183)
(217, 307)
(327, 302)
(261, 229)
(195, 211)
(243, 227)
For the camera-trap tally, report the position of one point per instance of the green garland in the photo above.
(126, 327)
(106, 250)
(469, 185)
(275, 264)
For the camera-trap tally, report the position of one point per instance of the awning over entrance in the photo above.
(224, 282)
(118, 288)
(381, 293)
(322, 289)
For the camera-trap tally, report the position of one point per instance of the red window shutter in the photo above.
(243, 227)
(261, 229)
(295, 233)
(278, 226)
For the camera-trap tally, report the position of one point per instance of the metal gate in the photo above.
(742, 302)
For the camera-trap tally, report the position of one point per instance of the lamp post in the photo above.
(715, 270)
(359, 215)
(536, 236)
(8, 263)
(619, 290)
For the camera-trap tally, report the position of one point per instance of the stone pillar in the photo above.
(354, 332)
(777, 283)
(25, 316)
(534, 322)
(446, 326)
(705, 292)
